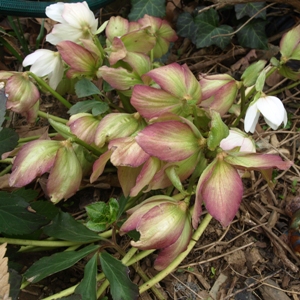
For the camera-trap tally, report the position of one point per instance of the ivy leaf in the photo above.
(94, 106)
(209, 31)
(117, 274)
(250, 9)
(65, 227)
(253, 35)
(101, 214)
(57, 262)
(186, 26)
(16, 219)
(88, 286)
(3, 100)
(8, 140)
(155, 8)
(85, 88)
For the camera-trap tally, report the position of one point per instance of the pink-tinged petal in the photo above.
(169, 141)
(177, 80)
(119, 78)
(99, 165)
(139, 62)
(22, 93)
(149, 169)
(168, 254)
(127, 152)
(251, 118)
(84, 126)
(34, 159)
(116, 125)
(127, 177)
(118, 51)
(154, 224)
(152, 102)
(138, 41)
(116, 27)
(256, 161)
(65, 176)
(32, 113)
(222, 192)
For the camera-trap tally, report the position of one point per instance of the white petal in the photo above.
(44, 65)
(55, 11)
(251, 118)
(57, 74)
(62, 32)
(272, 109)
(33, 57)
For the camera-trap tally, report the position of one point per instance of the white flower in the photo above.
(271, 108)
(77, 22)
(46, 62)
(238, 138)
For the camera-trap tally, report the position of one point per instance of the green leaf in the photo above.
(101, 214)
(253, 35)
(250, 9)
(8, 140)
(3, 100)
(218, 131)
(85, 88)
(26, 194)
(57, 262)
(88, 286)
(15, 218)
(45, 208)
(95, 106)
(65, 227)
(209, 33)
(155, 8)
(186, 26)
(117, 274)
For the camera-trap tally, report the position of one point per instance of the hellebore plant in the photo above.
(163, 128)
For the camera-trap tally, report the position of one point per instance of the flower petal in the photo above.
(251, 118)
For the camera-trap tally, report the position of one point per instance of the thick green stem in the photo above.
(161, 275)
(42, 83)
(38, 243)
(32, 138)
(6, 170)
(91, 148)
(48, 116)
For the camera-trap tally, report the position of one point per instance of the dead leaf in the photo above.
(244, 62)
(4, 275)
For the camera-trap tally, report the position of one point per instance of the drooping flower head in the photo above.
(76, 20)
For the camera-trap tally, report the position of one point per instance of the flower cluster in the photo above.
(169, 130)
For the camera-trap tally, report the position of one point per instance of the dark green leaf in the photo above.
(209, 32)
(155, 8)
(85, 88)
(117, 274)
(26, 194)
(45, 208)
(122, 204)
(250, 9)
(3, 99)
(57, 262)
(101, 214)
(15, 280)
(253, 35)
(88, 286)
(8, 140)
(95, 106)
(186, 26)
(15, 218)
(65, 227)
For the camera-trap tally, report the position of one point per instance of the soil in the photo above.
(250, 259)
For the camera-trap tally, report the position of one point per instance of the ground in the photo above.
(250, 259)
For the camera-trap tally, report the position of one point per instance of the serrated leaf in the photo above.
(57, 262)
(8, 140)
(88, 286)
(3, 100)
(94, 106)
(253, 35)
(186, 26)
(155, 8)
(250, 9)
(16, 219)
(101, 214)
(65, 227)
(209, 33)
(85, 88)
(117, 274)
